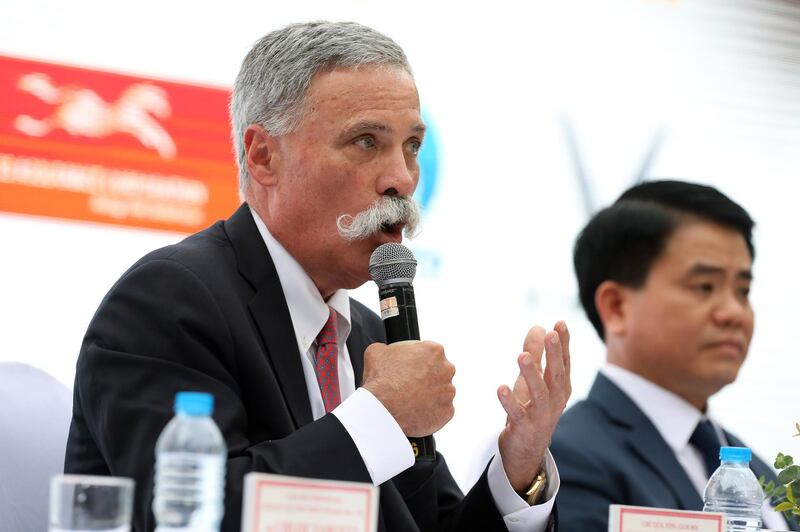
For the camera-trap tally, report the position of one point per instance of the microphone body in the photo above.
(399, 312)
(392, 267)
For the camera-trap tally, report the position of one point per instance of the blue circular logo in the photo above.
(428, 164)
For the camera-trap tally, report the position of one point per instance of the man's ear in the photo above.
(261, 155)
(609, 300)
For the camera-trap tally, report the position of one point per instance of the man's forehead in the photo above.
(364, 83)
(720, 262)
(377, 99)
(699, 236)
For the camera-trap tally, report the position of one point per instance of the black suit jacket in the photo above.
(609, 452)
(208, 314)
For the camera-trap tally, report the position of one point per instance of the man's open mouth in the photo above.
(391, 228)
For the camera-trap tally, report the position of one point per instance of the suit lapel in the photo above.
(270, 312)
(644, 440)
(357, 343)
(366, 328)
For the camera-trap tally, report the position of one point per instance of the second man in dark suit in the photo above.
(664, 276)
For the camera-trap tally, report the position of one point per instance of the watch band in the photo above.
(536, 489)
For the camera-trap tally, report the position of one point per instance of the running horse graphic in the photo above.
(82, 112)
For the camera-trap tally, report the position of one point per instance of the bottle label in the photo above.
(189, 490)
(205, 466)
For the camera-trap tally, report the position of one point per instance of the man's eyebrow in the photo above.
(363, 127)
(708, 269)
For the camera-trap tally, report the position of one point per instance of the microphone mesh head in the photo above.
(392, 262)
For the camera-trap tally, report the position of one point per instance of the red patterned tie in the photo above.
(327, 363)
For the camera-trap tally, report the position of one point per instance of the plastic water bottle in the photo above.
(190, 468)
(734, 490)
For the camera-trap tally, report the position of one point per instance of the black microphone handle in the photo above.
(399, 314)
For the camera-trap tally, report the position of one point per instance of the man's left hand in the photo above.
(535, 404)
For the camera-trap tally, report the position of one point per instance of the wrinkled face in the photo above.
(358, 141)
(689, 327)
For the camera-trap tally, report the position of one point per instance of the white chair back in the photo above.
(35, 412)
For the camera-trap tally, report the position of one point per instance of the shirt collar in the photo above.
(674, 417)
(308, 310)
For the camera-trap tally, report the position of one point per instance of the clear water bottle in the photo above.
(190, 468)
(734, 490)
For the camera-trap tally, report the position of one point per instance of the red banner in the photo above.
(106, 147)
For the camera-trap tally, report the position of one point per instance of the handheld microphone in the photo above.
(393, 267)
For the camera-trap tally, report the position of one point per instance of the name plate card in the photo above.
(640, 519)
(277, 503)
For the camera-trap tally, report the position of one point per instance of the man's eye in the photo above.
(703, 288)
(414, 147)
(744, 292)
(366, 142)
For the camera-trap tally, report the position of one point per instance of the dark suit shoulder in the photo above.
(171, 300)
(202, 269)
(582, 424)
(204, 248)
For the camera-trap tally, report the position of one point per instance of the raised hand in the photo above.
(535, 404)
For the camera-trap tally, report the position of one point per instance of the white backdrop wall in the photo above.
(544, 111)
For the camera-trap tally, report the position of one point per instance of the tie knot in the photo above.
(328, 333)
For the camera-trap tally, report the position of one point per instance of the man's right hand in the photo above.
(414, 381)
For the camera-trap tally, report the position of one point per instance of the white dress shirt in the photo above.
(377, 436)
(675, 420)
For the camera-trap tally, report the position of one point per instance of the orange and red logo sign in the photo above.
(106, 147)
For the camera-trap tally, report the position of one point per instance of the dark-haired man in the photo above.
(664, 276)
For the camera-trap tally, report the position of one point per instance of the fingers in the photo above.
(414, 381)
(520, 390)
(563, 335)
(372, 354)
(556, 346)
(539, 394)
(514, 409)
(375, 347)
(534, 344)
(554, 375)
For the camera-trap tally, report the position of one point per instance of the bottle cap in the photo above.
(194, 403)
(735, 454)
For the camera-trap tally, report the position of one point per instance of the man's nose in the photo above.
(399, 175)
(732, 310)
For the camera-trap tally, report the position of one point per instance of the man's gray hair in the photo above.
(271, 87)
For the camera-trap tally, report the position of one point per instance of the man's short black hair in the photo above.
(620, 243)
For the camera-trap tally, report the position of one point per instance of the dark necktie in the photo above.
(705, 439)
(327, 366)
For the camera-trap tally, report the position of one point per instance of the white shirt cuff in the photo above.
(517, 514)
(380, 441)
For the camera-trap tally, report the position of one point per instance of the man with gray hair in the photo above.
(327, 127)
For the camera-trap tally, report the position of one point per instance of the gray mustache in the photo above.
(388, 210)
